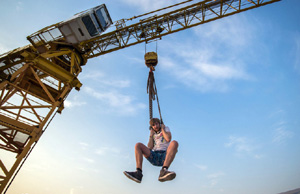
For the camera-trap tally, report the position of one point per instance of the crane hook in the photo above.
(151, 60)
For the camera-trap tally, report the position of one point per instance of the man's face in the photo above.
(155, 126)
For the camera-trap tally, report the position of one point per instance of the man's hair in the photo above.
(154, 120)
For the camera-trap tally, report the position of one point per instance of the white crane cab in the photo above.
(86, 25)
(81, 27)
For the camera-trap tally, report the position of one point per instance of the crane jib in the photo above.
(165, 24)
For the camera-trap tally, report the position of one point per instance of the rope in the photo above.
(152, 91)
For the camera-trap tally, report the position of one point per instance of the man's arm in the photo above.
(151, 140)
(167, 135)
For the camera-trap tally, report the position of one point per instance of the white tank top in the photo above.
(160, 144)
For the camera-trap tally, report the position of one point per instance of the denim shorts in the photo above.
(157, 158)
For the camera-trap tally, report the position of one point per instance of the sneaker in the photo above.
(166, 175)
(135, 176)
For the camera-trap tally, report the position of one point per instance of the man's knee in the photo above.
(138, 146)
(174, 143)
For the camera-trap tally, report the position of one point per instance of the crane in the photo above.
(37, 78)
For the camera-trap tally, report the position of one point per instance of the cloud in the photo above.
(236, 32)
(281, 135)
(73, 103)
(107, 150)
(214, 178)
(3, 49)
(89, 160)
(240, 144)
(201, 167)
(243, 146)
(84, 145)
(106, 81)
(115, 101)
(258, 156)
(278, 113)
(215, 175)
(296, 53)
(211, 58)
(108, 90)
(150, 5)
(203, 75)
(19, 6)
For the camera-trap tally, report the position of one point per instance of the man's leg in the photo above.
(164, 174)
(140, 151)
(171, 152)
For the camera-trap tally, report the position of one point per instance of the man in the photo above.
(160, 151)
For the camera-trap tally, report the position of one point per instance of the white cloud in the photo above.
(115, 101)
(73, 103)
(202, 75)
(278, 113)
(215, 175)
(240, 144)
(150, 5)
(235, 31)
(108, 89)
(3, 49)
(201, 167)
(281, 135)
(212, 59)
(83, 145)
(107, 150)
(243, 146)
(214, 178)
(19, 6)
(106, 81)
(296, 52)
(258, 156)
(89, 160)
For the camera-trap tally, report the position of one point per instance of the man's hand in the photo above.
(150, 142)
(167, 135)
(152, 132)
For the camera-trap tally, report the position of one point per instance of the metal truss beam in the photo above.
(165, 24)
(33, 87)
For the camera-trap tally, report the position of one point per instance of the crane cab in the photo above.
(82, 26)
(86, 25)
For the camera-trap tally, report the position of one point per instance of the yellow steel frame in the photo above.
(33, 86)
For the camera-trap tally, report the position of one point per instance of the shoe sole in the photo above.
(167, 177)
(132, 178)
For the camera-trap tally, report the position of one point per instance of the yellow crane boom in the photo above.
(37, 78)
(165, 24)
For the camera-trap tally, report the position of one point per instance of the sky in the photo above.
(229, 91)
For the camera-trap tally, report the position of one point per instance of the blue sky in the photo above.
(229, 90)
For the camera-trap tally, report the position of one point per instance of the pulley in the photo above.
(151, 60)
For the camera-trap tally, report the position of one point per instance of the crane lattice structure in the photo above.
(37, 78)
